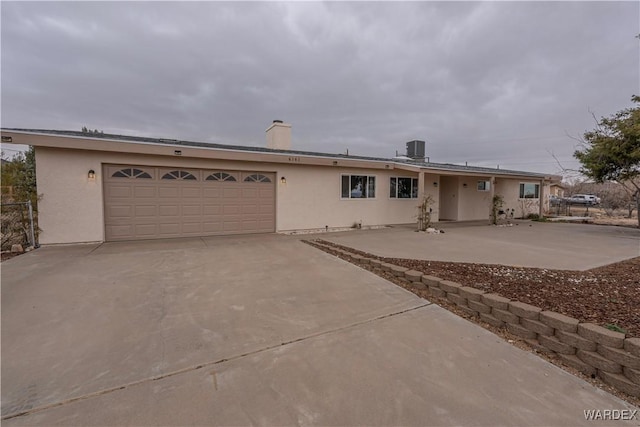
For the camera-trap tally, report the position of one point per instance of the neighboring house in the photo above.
(557, 189)
(103, 187)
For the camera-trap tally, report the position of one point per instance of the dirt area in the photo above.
(608, 296)
(601, 216)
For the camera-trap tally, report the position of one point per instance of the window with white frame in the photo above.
(529, 190)
(484, 185)
(358, 187)
(403, 188)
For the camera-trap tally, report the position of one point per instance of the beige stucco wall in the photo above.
(509, 189)
(473, 204)
(71, 208)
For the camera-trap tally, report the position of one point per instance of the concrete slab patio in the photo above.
(526, 244)
(253, 330)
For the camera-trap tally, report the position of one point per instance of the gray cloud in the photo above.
(489, 83)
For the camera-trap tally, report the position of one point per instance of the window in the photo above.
(484, 185)
(256, 177)
(403, 188)
(358, 187)
(529, 190)
(179, 175)
(131, 173)
(220, 176)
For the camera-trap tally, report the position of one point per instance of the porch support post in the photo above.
(492, 193)
(541, 199)
(421, 192)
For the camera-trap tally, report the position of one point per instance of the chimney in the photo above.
(279, 135)
(415, 150)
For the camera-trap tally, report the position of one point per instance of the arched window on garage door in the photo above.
(130, 173)
(256, 177)
(179, 175)
(220, 176)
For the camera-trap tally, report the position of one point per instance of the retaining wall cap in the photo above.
(471, 293)
(431, 280)
(494, 300)
(559, 321)
(524, 310)
(413, 274)
(601, 335)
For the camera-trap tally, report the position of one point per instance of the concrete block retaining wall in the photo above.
(586, 347)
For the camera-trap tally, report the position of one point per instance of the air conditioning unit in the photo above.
(415, 150)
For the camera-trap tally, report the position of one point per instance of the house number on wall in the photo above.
(294, 159)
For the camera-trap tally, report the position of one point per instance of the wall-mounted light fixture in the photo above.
(335, 163)
(283, 180)
(464, 185)
(91, 175)
(435, 183)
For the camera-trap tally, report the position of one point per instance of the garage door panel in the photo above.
(192, 227)
(121, 230)
(231, 226)
(211, 210)
(249, 193)
(211, 193)
(119, 191)
(191, 192)
(169, 210)
(120, 211)
(231, 193)
(146, 191)
(165, 191)
(192, 210)
(250, 208)
(140, 204)
(265, 209)
(266, 193)
(211, 227)
(169, 228)
(146, 230)
(146, 210)
(231, 209)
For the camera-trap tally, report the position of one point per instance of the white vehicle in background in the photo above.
(584, 199)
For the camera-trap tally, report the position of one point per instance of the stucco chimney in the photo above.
(279, 135)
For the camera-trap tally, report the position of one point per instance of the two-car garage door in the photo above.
(144, 202)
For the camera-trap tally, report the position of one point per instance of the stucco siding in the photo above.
(473, 204)
(72, 207)
(509, 189)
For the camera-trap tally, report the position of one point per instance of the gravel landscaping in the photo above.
(608, 296)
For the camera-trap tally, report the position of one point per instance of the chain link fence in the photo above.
(17, 225)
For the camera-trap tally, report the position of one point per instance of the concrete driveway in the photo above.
(253, 330)
(525, 244)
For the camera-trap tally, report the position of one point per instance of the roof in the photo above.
(422, 165)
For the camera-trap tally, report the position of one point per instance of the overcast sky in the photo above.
(489, 83)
